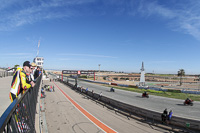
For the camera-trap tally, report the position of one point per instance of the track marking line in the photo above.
(93, 119)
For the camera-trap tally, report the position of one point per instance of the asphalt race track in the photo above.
(155, 103)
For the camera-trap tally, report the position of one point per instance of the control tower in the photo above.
(38, 60)
(142, 77)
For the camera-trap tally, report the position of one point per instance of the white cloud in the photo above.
(18, 14)
(191, 29)
(183, 17)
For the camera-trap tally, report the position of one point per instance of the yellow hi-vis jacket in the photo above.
(19, 83)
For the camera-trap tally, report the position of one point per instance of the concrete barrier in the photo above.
(133, 110)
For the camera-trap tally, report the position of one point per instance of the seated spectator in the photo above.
(92, 93)
(170, 115)
(81, 89)
(86, 90)
(42, 92)
(100, 95)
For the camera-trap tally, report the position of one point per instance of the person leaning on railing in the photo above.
(32, 71)
(19, 83)
(37, 72)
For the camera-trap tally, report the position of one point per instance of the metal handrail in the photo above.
(20, 115)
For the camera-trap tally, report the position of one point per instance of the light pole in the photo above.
(199, 83)
(99, 72)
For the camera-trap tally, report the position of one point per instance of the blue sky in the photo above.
(118, 34)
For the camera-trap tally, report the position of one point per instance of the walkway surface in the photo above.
(5, 84)
(63, 116)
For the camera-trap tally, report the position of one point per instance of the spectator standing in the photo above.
(33, 67)
(30, 76)
(53, 88)
(19, 83)
(164, 115)
(36, 73)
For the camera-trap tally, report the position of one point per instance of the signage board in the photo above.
(87, 72)
(69, 72)
(77, 72)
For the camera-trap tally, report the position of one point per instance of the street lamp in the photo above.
(99, 72)
(99, 67)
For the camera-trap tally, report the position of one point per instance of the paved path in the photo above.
(62, 116)
(4, 93)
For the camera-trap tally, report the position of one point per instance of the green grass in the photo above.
(175, 95)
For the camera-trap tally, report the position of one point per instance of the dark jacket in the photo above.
(36, 74)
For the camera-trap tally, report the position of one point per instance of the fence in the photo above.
(20, 115)
(5, 74)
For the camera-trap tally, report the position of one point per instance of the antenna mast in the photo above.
(38, 48)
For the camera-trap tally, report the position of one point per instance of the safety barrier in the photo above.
(129, 110)
(20, 115)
